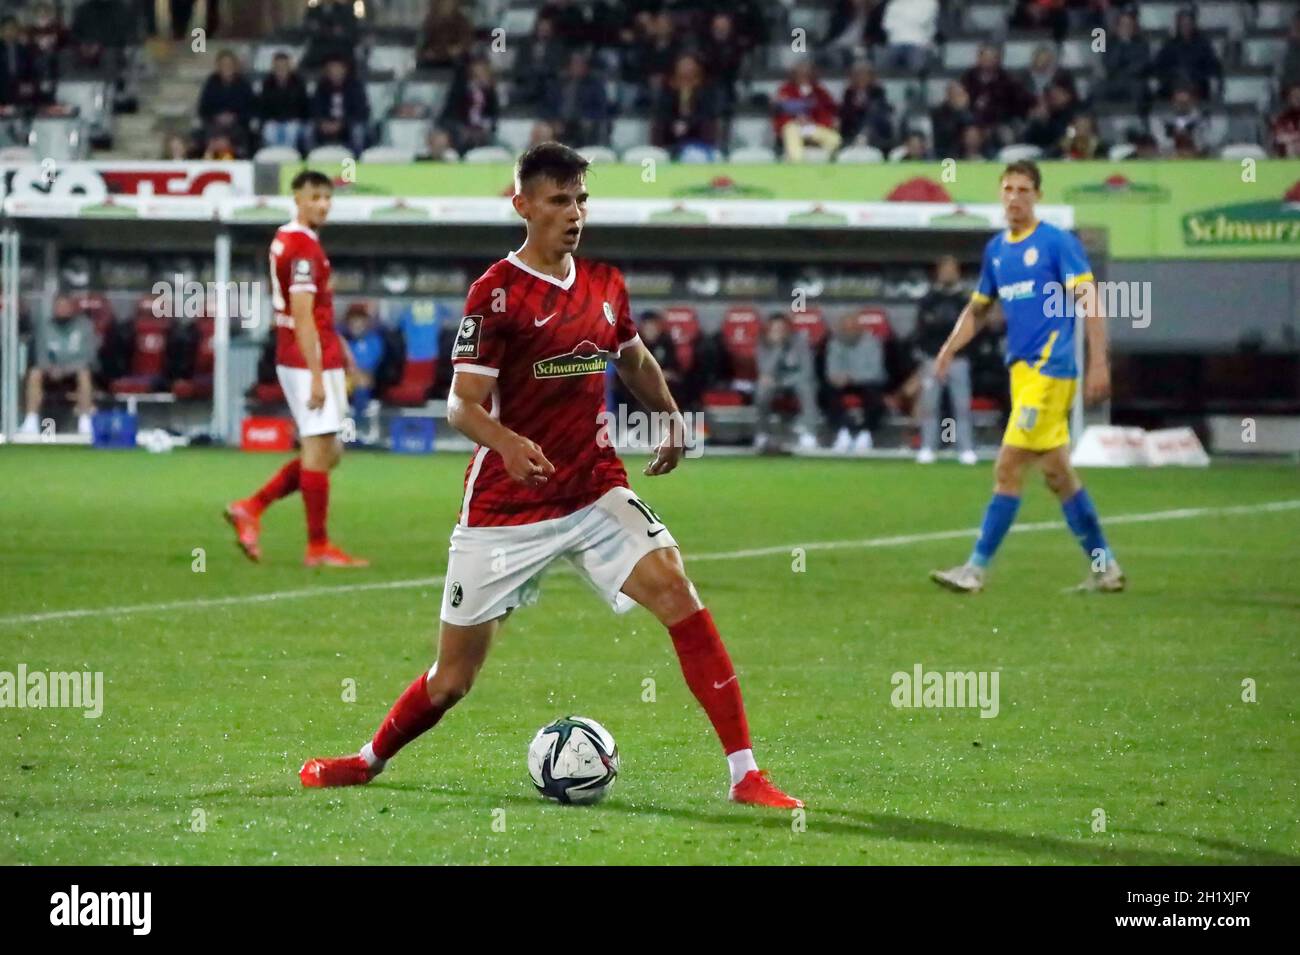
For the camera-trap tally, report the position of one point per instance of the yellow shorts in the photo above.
(1040, 409)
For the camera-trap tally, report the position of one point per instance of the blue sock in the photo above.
(1086, 526)
(998, 518)
(361, 400)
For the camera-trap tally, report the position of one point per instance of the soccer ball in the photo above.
(573, 760)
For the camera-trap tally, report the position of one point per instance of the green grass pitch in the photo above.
(215, 692)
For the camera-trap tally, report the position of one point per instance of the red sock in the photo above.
(712, 678)
(282, 484)
(316, 498)
(411, 715)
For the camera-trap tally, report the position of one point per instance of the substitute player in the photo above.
(310, 357)
(1042, 276)
(528, 389)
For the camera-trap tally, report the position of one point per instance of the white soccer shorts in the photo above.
(328, 418)
(491, 570)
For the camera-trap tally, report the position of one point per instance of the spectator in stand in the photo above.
(653, 330)
(1043, 15)
(1049, 120)
(577, 105)
(176, 148)
(785, 367)
(1127, 62)
(332, 33)
(866, 117)
(538, 62)
(227, 103)
(750, 20)
(804, 112)
(936, 316)
(1289, 68)
(64, 351)
(1187, 59)
(913, 149)
(855, 378)
(100, 30)
(1284, 129)
(48, 39)
(339, 109)
(976, 144)
(220, 147)
(658, 53)
(570, 22)
(445, 36)
(1144, 146)
(366, 342)
(724, 54)
(282, 105)
(856, 26)
(997, 98)
(910, 27)
(17, 80)
(438, 147)
(1044, 72)
(1182, 128)
(949, 118)
(686, 114)
(470, 115)
(1081, 140)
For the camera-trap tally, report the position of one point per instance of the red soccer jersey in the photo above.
(298, 264)
(546, 342)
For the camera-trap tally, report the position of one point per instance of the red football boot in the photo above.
(339, 771)
(248, 525)
(756, 790)
(327, 555)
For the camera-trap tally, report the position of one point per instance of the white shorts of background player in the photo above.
(491, 570)
(328, 418)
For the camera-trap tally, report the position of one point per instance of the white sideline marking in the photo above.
(869, 543)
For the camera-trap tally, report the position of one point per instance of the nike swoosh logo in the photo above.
(539, 322)
(718, 686)
(653, 533)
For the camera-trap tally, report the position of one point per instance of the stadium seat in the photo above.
(986, 19)
(598, 154)
(408, 134)
(487, 154)
(267, 393)
(329, 154)
(200, 385)
(638, 154)
(519, 21)
(1221, 16)
(811, 325)
(388, 154)
(382, 95)
(148, 357)
(515, 132)
(1275, 15)
(753, 154)
(814, 21)
(741, 327)
(281, 154)
(960, 54)
(427, 93)
(94, 103)
(17, 154)
(1263, 52)
(860, 154)
(390, 58)
(627, 132)
(752, 131)
(684, 330)
(1248, 90)
(1018, 151)
(1243, 151)
(1077, 55)
(61, 138)
(1158, 17)
(875, 321)
(96, 306)
(412, 389)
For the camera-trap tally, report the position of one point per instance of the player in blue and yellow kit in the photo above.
(1042, 277)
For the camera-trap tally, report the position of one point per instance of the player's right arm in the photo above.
(523, 460)
(301, 307)
(971, 319)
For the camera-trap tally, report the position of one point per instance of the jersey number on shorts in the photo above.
(1028, 418)
(646, 510)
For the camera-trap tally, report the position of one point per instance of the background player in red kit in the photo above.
(309, 360)
(528, 389)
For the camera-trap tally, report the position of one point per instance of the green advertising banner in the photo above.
(1194, 209)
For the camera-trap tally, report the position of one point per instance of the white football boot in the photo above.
(1108, 581)
(966, 579)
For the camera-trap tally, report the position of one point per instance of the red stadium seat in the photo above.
(876, 321)
(200, 386)
(268, 393)
(811, 323)
(741, 328)
(684, 328)
(95, 305)
(149, 358)
(416, 382)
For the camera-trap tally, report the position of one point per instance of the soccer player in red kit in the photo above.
(310, 357)
(542, 485)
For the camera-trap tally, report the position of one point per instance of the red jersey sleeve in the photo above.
(305, 261)
(484, 334)
(624, 327)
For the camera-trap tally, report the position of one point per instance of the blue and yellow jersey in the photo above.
(1030, 272)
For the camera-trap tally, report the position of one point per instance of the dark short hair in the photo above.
(1025, 167)
(554, 161)
(311, 177)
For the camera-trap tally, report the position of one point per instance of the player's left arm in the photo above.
(1087, 305)
(645, 379)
